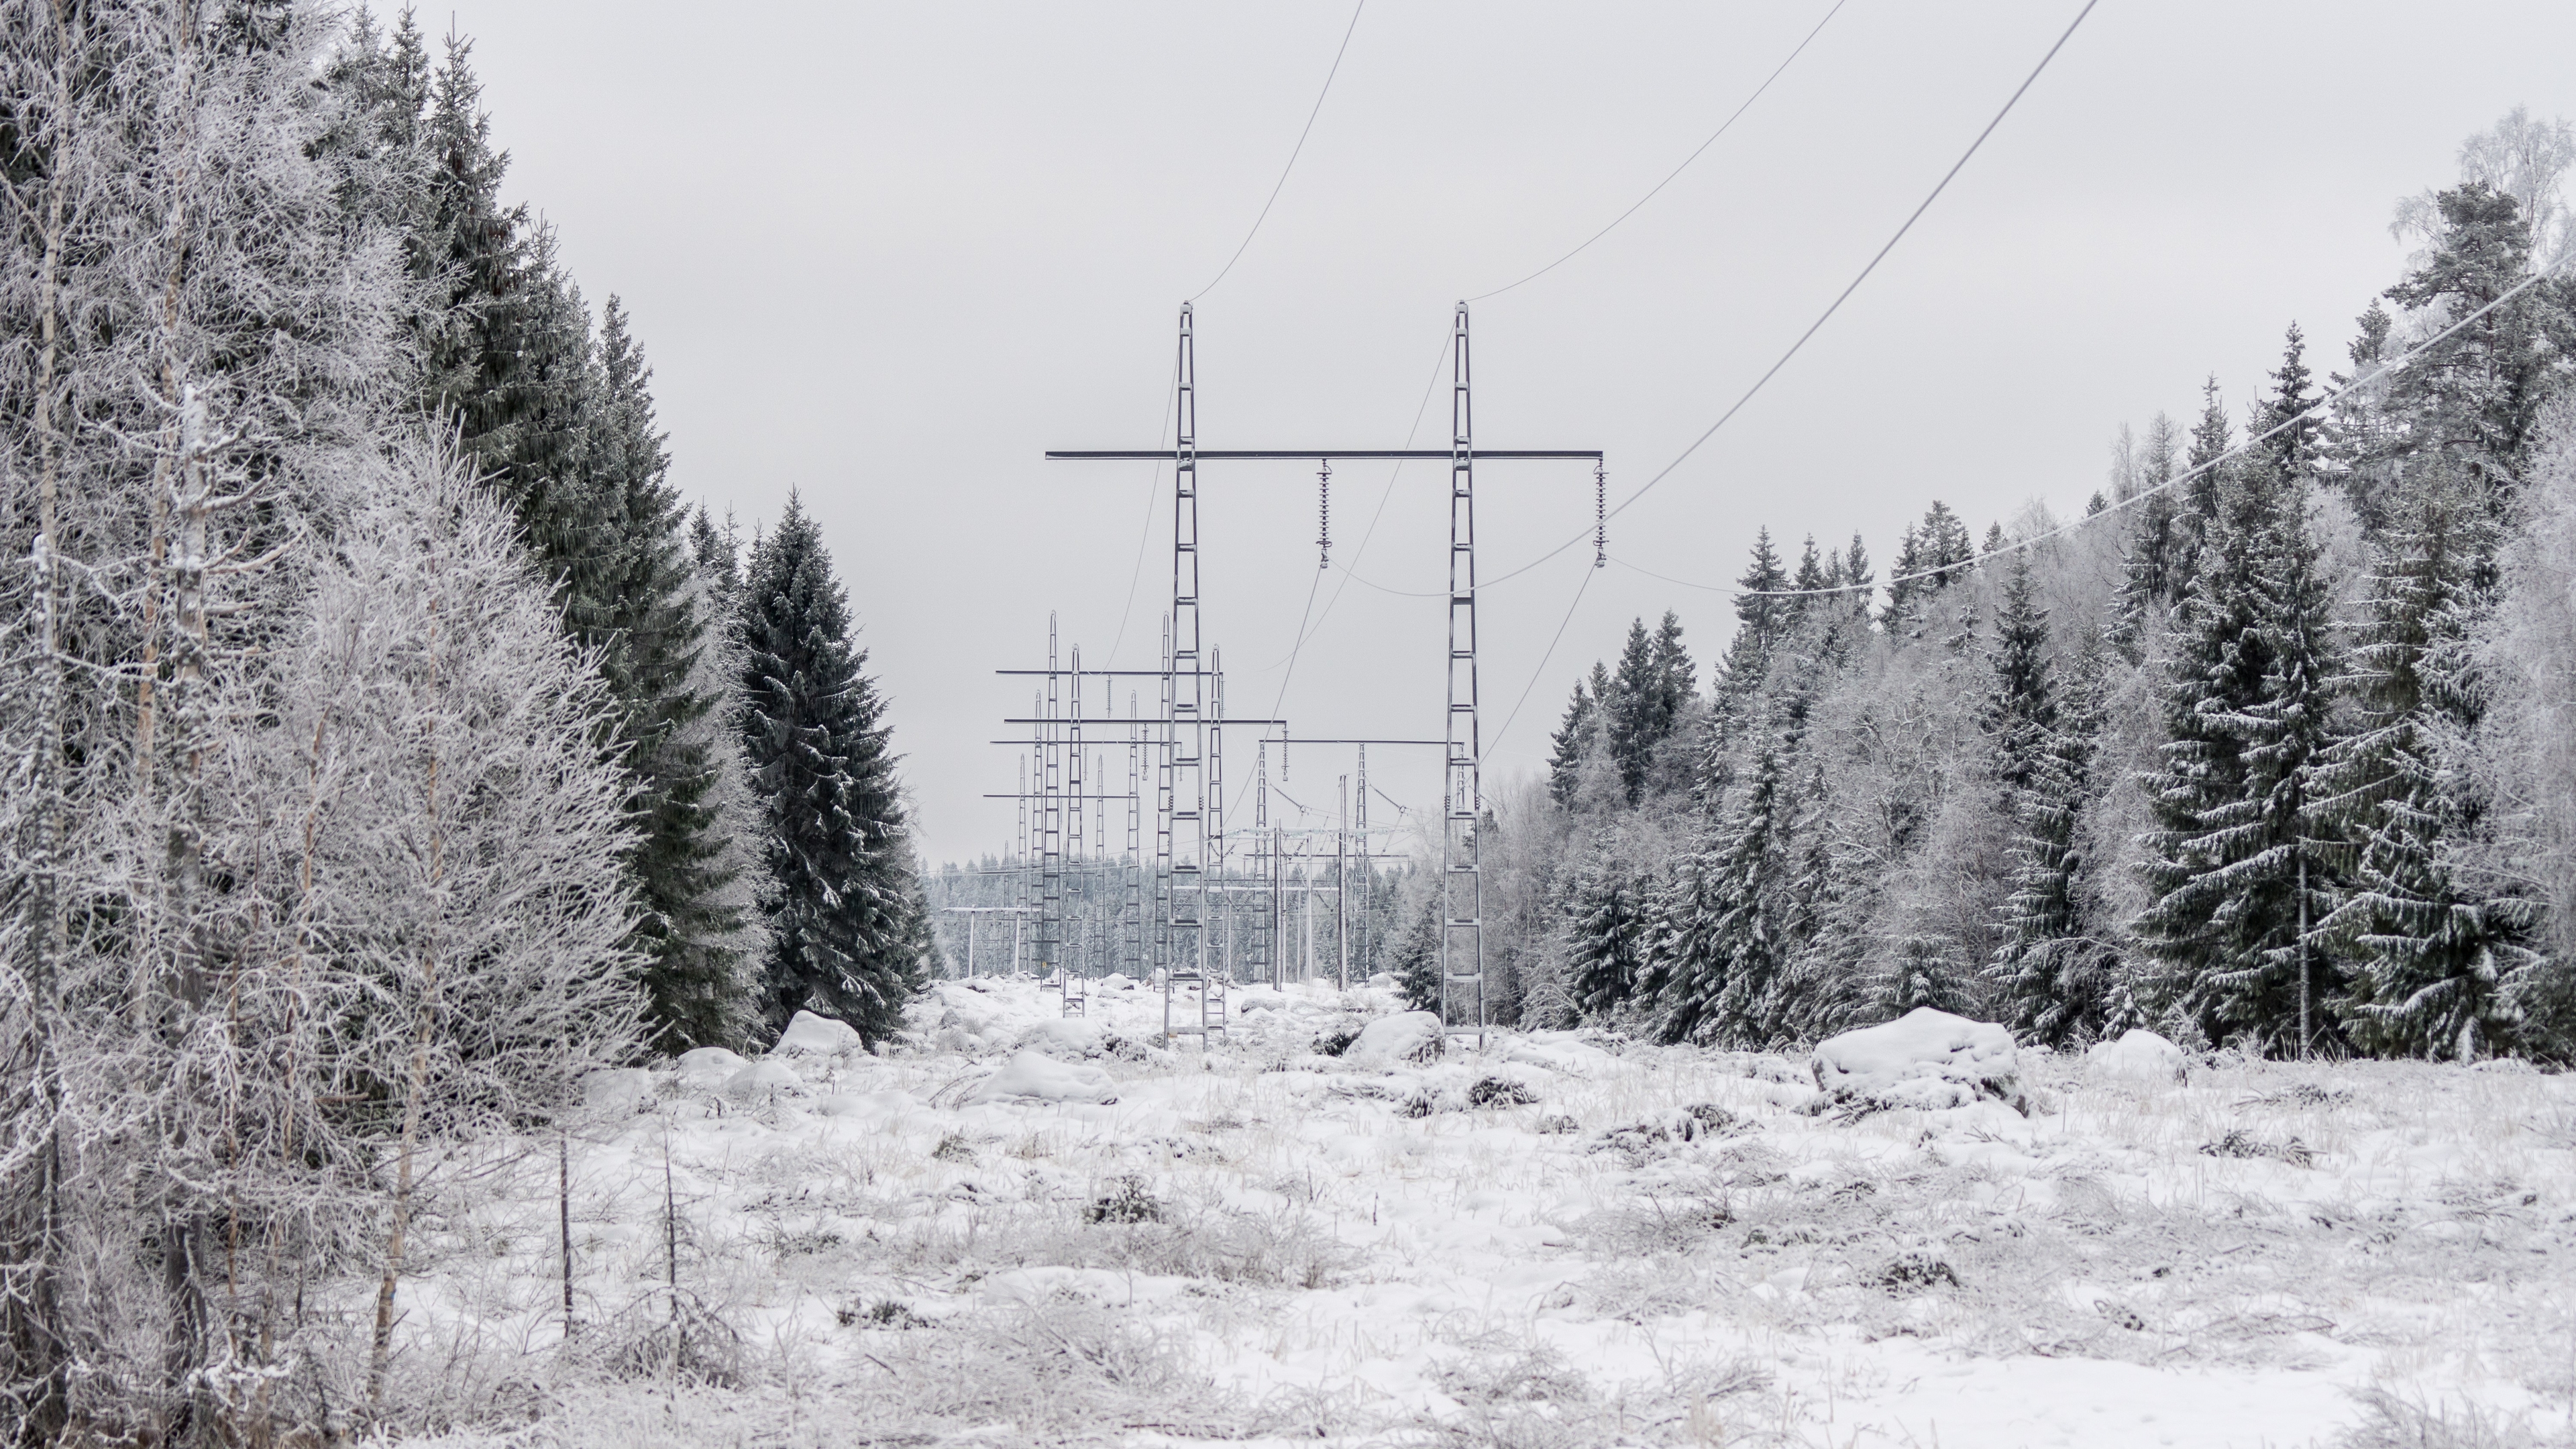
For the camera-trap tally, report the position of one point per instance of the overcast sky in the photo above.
(888, 255)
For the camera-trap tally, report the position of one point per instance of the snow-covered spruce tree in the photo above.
(842, 943)
(2477, 399)
(2060, 980)
(1415, 958)
(1628, 713)
(2240, 862)
(1714, 974)
(1568, 745)
(1605, 932)
(645, 618)
(2427, 959)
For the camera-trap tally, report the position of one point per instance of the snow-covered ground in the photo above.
(1026, 1230)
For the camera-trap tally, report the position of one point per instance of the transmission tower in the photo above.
(1183, 833)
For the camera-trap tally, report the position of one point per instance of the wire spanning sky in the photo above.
(889, 255)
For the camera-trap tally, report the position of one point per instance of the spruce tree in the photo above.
(2239, 859)
(1629, 712)
(2477, 398)
(1673, 680)
(1716, 972)
(1567, 747)
(643, 617)
(1605, 934)
(2427, 955)
(1415, 960)
(843, 938)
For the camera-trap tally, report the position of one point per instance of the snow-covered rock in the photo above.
(1250, 999)
(1394, 1041)
(1065, 1036)
(763, 1079)
(1033, 1076)
(618, 1091)
(1928, 1060)
(2139, 1056)
(818, 1034)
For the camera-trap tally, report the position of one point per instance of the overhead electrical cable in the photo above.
(1371, 531)
(1153, 491)
(1293, 153)
(1496, 742)
(1676, 172)
(2313, 411)
(1827, 315)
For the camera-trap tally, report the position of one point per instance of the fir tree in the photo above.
(2428, 956)
(1715, 975)
(2058, 979)
(1673, 679)
(1761, 617)
(1416, 957)
(2475, 400)
(643, 620)
(2239, 856)
(1605, 935)
(1567, 747)
(1629, 712)
(842, 941)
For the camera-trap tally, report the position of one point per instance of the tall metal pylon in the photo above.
(1263, 961)
(1462, 884)
(1368, 863)
(1135, 915)
(1051, 818)
(1069, 975)
(1185, 721)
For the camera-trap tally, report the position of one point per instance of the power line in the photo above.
(2312, 411)
(1153, 490)
(1497, 742)
(1836, 306)
(1676, 171)
(1292, 153)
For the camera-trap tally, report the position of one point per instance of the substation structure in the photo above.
(1184, 919)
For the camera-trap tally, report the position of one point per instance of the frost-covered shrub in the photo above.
(1127, 1201)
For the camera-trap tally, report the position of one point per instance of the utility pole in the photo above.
(1462, 885)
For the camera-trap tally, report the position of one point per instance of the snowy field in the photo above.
(1559, 1240)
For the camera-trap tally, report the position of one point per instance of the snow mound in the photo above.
(1250, 999)
(702, 1064)
(818, 1034)
(2138, 1056)
(618, 1091)
(1393, 1041)
(872, 1105)
(1557, 1051)
(1927, 1060)
(762, 1079)
(1033, 1076)
(1067, 1036)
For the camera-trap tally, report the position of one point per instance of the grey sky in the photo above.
(890, 254)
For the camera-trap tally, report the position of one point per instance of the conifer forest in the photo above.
(474, 971)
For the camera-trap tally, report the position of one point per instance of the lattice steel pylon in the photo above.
(1262, 960)
(1185, 722)
(1135, 914)
(1051, 820)
(1462, 884)
(1070, 977)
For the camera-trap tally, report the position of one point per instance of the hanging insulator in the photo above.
(1600, 516)
(1323, 513)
